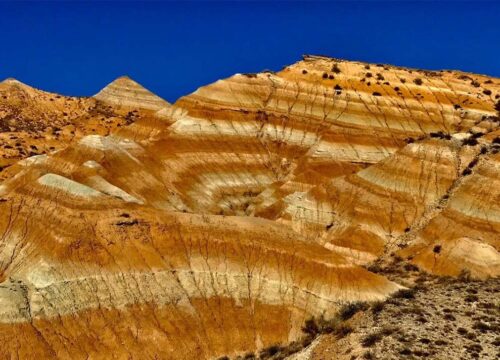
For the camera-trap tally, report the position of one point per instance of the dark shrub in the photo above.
(405, 351)
(371, 339)
(404, 294)
(368, 75)
(449, 317)
(486, 92)
(411, 267)
(418, 81)
(270, 351)
(343, 330)
(376, 93)
(471, 298)
(471, 141)
(437, 249)
(325, 76)
(481, 326)
(304, 71)
(336, 69)
(311, 327)
(351, 309)
(377, 307)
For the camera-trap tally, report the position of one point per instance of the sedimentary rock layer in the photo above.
(218, 224)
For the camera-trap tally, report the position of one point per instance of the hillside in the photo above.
(219, 225)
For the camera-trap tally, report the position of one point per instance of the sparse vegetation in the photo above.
(351, 309)
(418, 81)
(371, 339)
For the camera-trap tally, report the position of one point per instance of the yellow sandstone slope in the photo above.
(217, 225)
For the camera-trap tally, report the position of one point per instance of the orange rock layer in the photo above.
(217, 225)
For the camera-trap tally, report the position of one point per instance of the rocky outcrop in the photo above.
(218, 224)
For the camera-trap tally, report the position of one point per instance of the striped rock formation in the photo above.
(125, 92)
(217, 225)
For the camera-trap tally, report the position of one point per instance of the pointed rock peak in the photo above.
(126, 92)
(12, 81)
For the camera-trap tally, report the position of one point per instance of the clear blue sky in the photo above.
(173, 48)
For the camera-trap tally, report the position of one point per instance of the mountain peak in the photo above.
(124, 91)
(13, 81)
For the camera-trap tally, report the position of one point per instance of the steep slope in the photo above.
(219, 224)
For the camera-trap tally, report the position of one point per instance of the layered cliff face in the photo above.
(218, 224)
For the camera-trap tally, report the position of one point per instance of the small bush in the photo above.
(471, 141)
(486, 92)
(471, 298)
(411, 267)
(449, 317)
(368, 75)
(343, 330)
(310, 327)
(376, 93)
(377, 307)
(437, 249)
(405, 351)
(371, 339)
(304, 71)
(481, 326)
(336, 69)
(270, 351)
(404, 294)
(351, 309)
(418, 81)
(325, 76)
